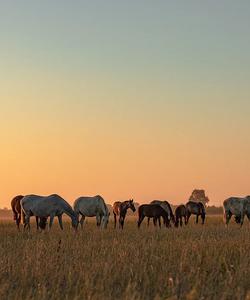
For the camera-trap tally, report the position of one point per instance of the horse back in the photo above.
(180, 211)
(152, 210)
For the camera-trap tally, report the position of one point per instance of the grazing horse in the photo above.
(180, 212)
(17, 213)
(92, 207)
(239, 207)
(120, 210)
(165, 205)
(195, 208)
(47, 206)
(154, 211)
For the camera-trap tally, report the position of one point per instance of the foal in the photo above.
(180, 213)
(120, 210)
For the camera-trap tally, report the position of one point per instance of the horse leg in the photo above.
(140, 221)
(228, 216)
(197, 219)
(122, 222)
(37, 223)
(15, 217)
(159, 221)
(77, 217)
(188, 216)
(115, 220)
(82, 221)
(60, 221)
(148, 221)
(176, 221)
(18, 221)
(27, 222)
(181, 221)
(51, 219)
(242, 219)
(98, 220)
(203, 218)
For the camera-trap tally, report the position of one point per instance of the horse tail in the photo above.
(23, 216)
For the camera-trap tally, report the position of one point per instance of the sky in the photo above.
(126, 99)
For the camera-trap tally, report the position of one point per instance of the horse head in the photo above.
(105, 219)
(43, 223)
(74, 221)
(131, 205)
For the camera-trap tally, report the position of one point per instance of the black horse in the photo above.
(165, 205)
(153, 211)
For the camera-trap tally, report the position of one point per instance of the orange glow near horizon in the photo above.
(127, 99)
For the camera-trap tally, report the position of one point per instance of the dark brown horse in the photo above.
(165, 205)
(180, 213)
(17, 213)
(196, 208)
(154, 211)
(120, 210)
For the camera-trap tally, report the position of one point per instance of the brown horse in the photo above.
(17, 213)
(154, 211)
(120, 210)
(196, 208)
(180, 213)
(16, 208)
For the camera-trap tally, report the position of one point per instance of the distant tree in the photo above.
(199, 196)
(214, 210)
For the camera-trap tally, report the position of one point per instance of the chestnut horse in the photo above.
(120, 210)
(17, 213)
(154, 211)
(180, 213)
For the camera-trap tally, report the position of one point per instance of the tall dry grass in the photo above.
(194, 262)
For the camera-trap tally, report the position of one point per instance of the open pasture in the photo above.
(193, 262)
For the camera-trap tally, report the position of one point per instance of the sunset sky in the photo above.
(141, 99)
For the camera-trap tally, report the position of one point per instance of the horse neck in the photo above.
(69, 211)
(124, 209)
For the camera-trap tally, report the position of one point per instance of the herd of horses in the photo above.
(49, 207)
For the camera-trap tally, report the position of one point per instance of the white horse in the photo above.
(92, 207)
(239, 207)
(47, 206)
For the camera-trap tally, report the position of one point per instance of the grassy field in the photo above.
(194, 262)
